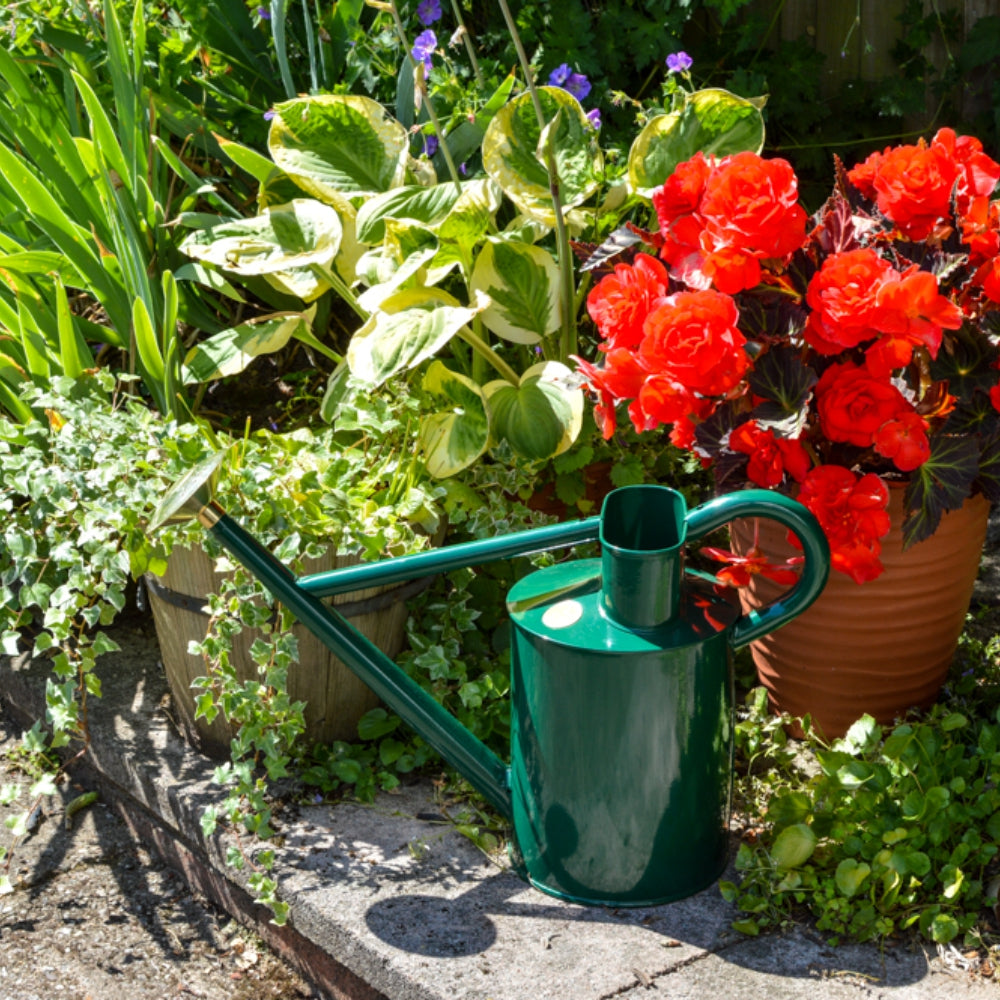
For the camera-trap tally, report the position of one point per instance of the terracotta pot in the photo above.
(881, 647)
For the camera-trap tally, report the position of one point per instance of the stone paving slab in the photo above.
(390, 901)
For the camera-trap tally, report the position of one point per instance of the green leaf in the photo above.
(347, 770)
(542, 416)
(522, 282)
(259, 167)
(942, 483)
(850, 875)
(793, 846)
(424, 206)
(712, 121)
(511, 154)
(230, 351)
(785, 385)
(453, 440)
(209, 820)
(335, 146)
(377, 723)
(283, 237)
(789, 808)
(968, 364)
(944, 928)
(411, 327)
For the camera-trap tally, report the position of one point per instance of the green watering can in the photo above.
(618, 789)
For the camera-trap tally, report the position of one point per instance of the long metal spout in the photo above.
(483, 769)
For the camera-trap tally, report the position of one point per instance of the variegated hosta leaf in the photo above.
(230, 351)
(336, 146)
(714, 122)
(297, 234)
(450, 212)
(542, 416)
(512, 157)
(372, 298)
(523, 283)
(425, 206)
(411, 326)
(453, 440)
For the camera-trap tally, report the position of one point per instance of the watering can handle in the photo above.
(792, 514)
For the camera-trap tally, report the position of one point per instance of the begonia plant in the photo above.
(831, 357)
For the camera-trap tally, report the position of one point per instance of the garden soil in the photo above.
(97, 917)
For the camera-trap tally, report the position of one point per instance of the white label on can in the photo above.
(563, 614)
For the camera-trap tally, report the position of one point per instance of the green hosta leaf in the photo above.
(713, 121)
(230, 351)
(523, 283)
(296, 234)
(511, 154)
(472, 215)
(424, 206)
(942, 483)
(453, 440)
(542, 416)
(793, 846)
(337, 146)
(411, 326)
(850, 876)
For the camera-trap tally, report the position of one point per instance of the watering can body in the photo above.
(622, 720)
(618, 788)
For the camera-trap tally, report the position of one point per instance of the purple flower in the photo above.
(578, 85)
(560, 75)
(594, 117)
(575, 83)
(679, 62)
(428, 11)
(423, 48)
(430, 145)
(263, 13)
(268, 115)
(463, 169)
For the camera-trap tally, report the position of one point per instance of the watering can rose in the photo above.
(829, 357)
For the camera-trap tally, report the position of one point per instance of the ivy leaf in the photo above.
(942, 483)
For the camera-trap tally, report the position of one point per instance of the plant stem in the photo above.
(568, 342)
(469, 47)
(329, 275)
(422, 88)
(482, 348)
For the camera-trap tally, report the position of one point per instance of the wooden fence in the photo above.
(857, 37)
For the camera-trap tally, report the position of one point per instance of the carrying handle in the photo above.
(790, 513)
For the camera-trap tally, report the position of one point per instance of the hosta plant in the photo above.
(831, 357)
(469, 277)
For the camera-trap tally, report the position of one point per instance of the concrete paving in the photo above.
(390, 901)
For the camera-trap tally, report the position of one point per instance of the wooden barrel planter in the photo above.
(335, 698)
